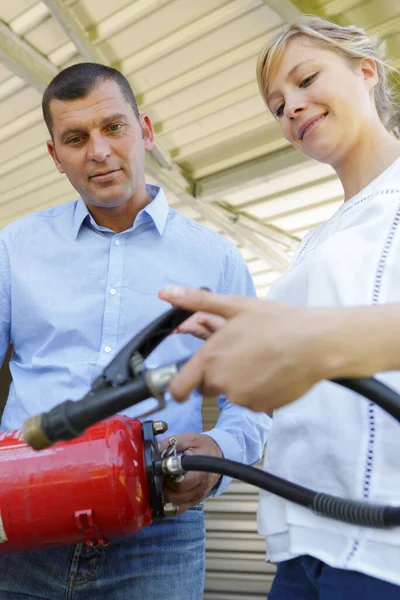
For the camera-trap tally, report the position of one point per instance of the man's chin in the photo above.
(104, 202)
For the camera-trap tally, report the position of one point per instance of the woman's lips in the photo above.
(311, 128)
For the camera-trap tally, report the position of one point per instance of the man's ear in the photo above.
(52, 151)
(147, 130)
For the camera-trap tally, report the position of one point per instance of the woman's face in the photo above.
(323, 103)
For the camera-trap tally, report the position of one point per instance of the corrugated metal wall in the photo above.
(235, 553)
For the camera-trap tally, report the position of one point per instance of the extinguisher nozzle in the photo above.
(33, 433)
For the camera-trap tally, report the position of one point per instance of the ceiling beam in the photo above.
(337, 7)
(210, 68)
(245, 206)
(227, 134)
(187, 34)
(260, 170)
(307, 7)
(285, 9)
(117, 21)
(23, 60)
(74, 31)
(269, 232)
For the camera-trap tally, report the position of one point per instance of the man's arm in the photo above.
(5, 301)
(240, 433)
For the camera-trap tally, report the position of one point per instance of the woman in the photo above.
(327, 86)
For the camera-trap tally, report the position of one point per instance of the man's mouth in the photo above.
(104, 176)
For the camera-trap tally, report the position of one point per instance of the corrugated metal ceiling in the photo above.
(219, 154)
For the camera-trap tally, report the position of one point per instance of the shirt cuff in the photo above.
(231, 450)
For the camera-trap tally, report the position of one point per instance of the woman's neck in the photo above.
(367, 159)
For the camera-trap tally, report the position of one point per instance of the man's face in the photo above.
(100, 145)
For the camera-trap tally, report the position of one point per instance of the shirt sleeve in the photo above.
(5, 301)
(239, 432)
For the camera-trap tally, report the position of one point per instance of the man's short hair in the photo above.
(78, 81)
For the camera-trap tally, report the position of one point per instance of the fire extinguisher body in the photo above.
(91, 489)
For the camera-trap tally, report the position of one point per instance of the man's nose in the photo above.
(98, 148)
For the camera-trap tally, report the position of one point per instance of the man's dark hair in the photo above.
(78, 81)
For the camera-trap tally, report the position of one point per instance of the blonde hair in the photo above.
(350, 42)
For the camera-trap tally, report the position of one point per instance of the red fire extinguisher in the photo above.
(92, 489)
(106, 481)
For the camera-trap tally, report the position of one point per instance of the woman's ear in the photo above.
(369, 72)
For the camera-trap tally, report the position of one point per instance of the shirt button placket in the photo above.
(112, 300)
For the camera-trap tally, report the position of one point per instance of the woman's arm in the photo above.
(268, 354)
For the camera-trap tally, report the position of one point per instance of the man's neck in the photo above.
(119, 218)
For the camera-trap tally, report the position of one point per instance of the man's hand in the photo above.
(195, 487)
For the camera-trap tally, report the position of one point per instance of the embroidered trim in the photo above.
(303, 253)
(369, 462)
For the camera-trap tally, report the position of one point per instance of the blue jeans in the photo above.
(307, 578)
(165, 560)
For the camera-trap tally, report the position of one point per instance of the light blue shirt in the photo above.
(73, 293)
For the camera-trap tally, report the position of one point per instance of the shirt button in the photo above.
(113, 292)
(118, 242)
(107, 349)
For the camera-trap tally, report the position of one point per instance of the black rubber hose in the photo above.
(349, 511)
(70, 419)
(375, 390)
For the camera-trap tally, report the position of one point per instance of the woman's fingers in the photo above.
(201, 300)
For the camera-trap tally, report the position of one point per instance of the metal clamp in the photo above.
(171, 452)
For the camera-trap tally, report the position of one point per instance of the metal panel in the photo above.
(235, 553)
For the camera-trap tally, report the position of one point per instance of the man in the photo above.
(78, 281)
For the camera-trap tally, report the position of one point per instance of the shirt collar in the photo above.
(157, 210)
(81, 213)
(158, 207)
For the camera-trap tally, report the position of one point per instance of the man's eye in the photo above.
(115, 127)
(308, 80)
(74, 140)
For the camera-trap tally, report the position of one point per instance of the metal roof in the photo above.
(219, 154)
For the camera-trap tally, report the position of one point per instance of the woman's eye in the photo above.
(279, 110)
(308, 80)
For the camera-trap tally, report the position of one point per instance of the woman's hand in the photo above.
(202, 325)
(267, 354)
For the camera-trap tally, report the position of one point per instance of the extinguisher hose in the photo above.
(69, 419)
(349, 511)
(376, 391)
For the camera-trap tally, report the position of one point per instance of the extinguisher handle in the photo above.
(124, 365)
(122, 368)
(69, 419)
(123, 383)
